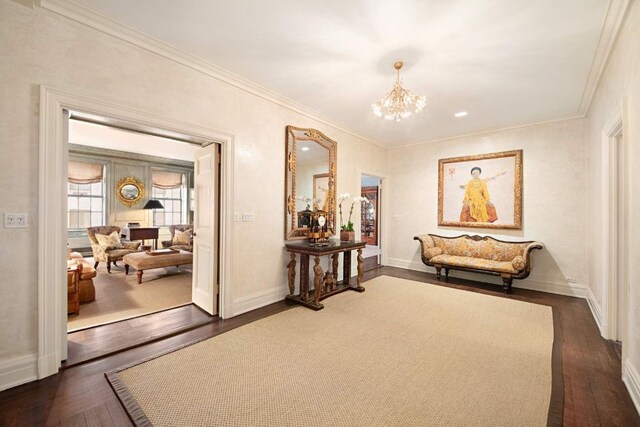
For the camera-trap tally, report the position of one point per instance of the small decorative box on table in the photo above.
(324, 284)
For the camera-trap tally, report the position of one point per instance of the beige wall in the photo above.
(38, 47)
(620, 81)
(553, 198)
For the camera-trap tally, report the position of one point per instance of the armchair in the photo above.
(172, 230)
(101, 254)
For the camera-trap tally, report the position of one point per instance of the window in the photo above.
(85, 205)
(85, 195)
(170, 189)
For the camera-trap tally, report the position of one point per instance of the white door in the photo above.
(205, 282)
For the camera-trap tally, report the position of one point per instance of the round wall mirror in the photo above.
(130, 191)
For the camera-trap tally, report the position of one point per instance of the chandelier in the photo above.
(399, 103)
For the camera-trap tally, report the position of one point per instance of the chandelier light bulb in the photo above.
(399, 103)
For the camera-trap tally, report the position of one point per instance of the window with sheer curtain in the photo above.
(171, 190)
(85, 195)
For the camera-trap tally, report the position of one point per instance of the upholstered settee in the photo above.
(179, 246)
(509, 260)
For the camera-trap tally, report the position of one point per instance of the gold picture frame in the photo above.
(129, 191)
(481, 191)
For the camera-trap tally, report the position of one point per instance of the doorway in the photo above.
(615, 214)
(52, 250)
(370, 220)
(156, 214)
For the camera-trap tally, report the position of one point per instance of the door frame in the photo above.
(612, 201)
(382, 208)
(53, 158)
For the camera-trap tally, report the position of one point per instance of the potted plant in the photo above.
(347, 233)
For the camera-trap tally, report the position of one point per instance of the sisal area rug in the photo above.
(120, 297)
(403, 353)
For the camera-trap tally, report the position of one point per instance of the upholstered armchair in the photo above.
(108, 255)
(180, 246)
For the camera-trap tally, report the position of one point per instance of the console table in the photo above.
(324, 284)
(141, 233)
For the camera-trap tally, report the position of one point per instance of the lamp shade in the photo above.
(153, 204)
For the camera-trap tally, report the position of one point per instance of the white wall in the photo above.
(554, 205)
(38, 47)
(620, 82)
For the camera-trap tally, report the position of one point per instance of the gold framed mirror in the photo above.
(310, 180)
(129, 191)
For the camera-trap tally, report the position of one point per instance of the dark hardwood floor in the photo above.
(92, 343)
(594, 394)
(370, 263)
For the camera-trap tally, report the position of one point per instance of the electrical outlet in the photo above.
(397, 217)
(12, 220)
(236, 217)
(247, 216)
(571, 280)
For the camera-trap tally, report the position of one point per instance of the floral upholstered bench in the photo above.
(509, 260)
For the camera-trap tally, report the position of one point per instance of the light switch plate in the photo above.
(236, 217)
(15, 220)
(247, 216)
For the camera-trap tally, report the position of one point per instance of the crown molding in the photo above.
(612, 24)
(108, 26)
(492, 131)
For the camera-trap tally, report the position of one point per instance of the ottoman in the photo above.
(142, 261)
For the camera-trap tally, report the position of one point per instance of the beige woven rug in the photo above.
(120, 297)
(403, 353)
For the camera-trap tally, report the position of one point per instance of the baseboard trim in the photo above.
(631, 379)
(596, 312)
(18, 370)
(252, 302)
(566, 289)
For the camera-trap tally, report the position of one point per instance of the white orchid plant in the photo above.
(308, 200)
(341, 198)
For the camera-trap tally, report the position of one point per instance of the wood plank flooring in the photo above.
(594, 393)
(370, 263)
(101, 341)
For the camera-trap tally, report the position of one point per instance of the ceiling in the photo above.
(95, 135)
(505, 62)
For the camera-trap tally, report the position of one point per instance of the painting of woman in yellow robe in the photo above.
(476, 205)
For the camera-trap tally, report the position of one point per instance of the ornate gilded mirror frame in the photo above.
(129, 191)
(292, 137)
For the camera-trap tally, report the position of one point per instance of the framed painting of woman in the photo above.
(482, 191)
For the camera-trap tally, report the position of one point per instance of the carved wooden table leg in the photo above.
(359, 286)
(304, 277)
(334, 259)
(346, 268)
(292, 273)
(317, 281)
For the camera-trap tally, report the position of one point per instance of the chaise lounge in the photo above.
(509, 260)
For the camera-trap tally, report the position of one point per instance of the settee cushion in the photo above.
(110, 241)
(489, 249)
(477, 263)
(431, 252)
(518, 263)
(182, 237)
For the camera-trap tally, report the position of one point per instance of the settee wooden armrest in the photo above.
(478, 254)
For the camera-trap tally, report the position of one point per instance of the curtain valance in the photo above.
(167, 180)
(85, 173)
